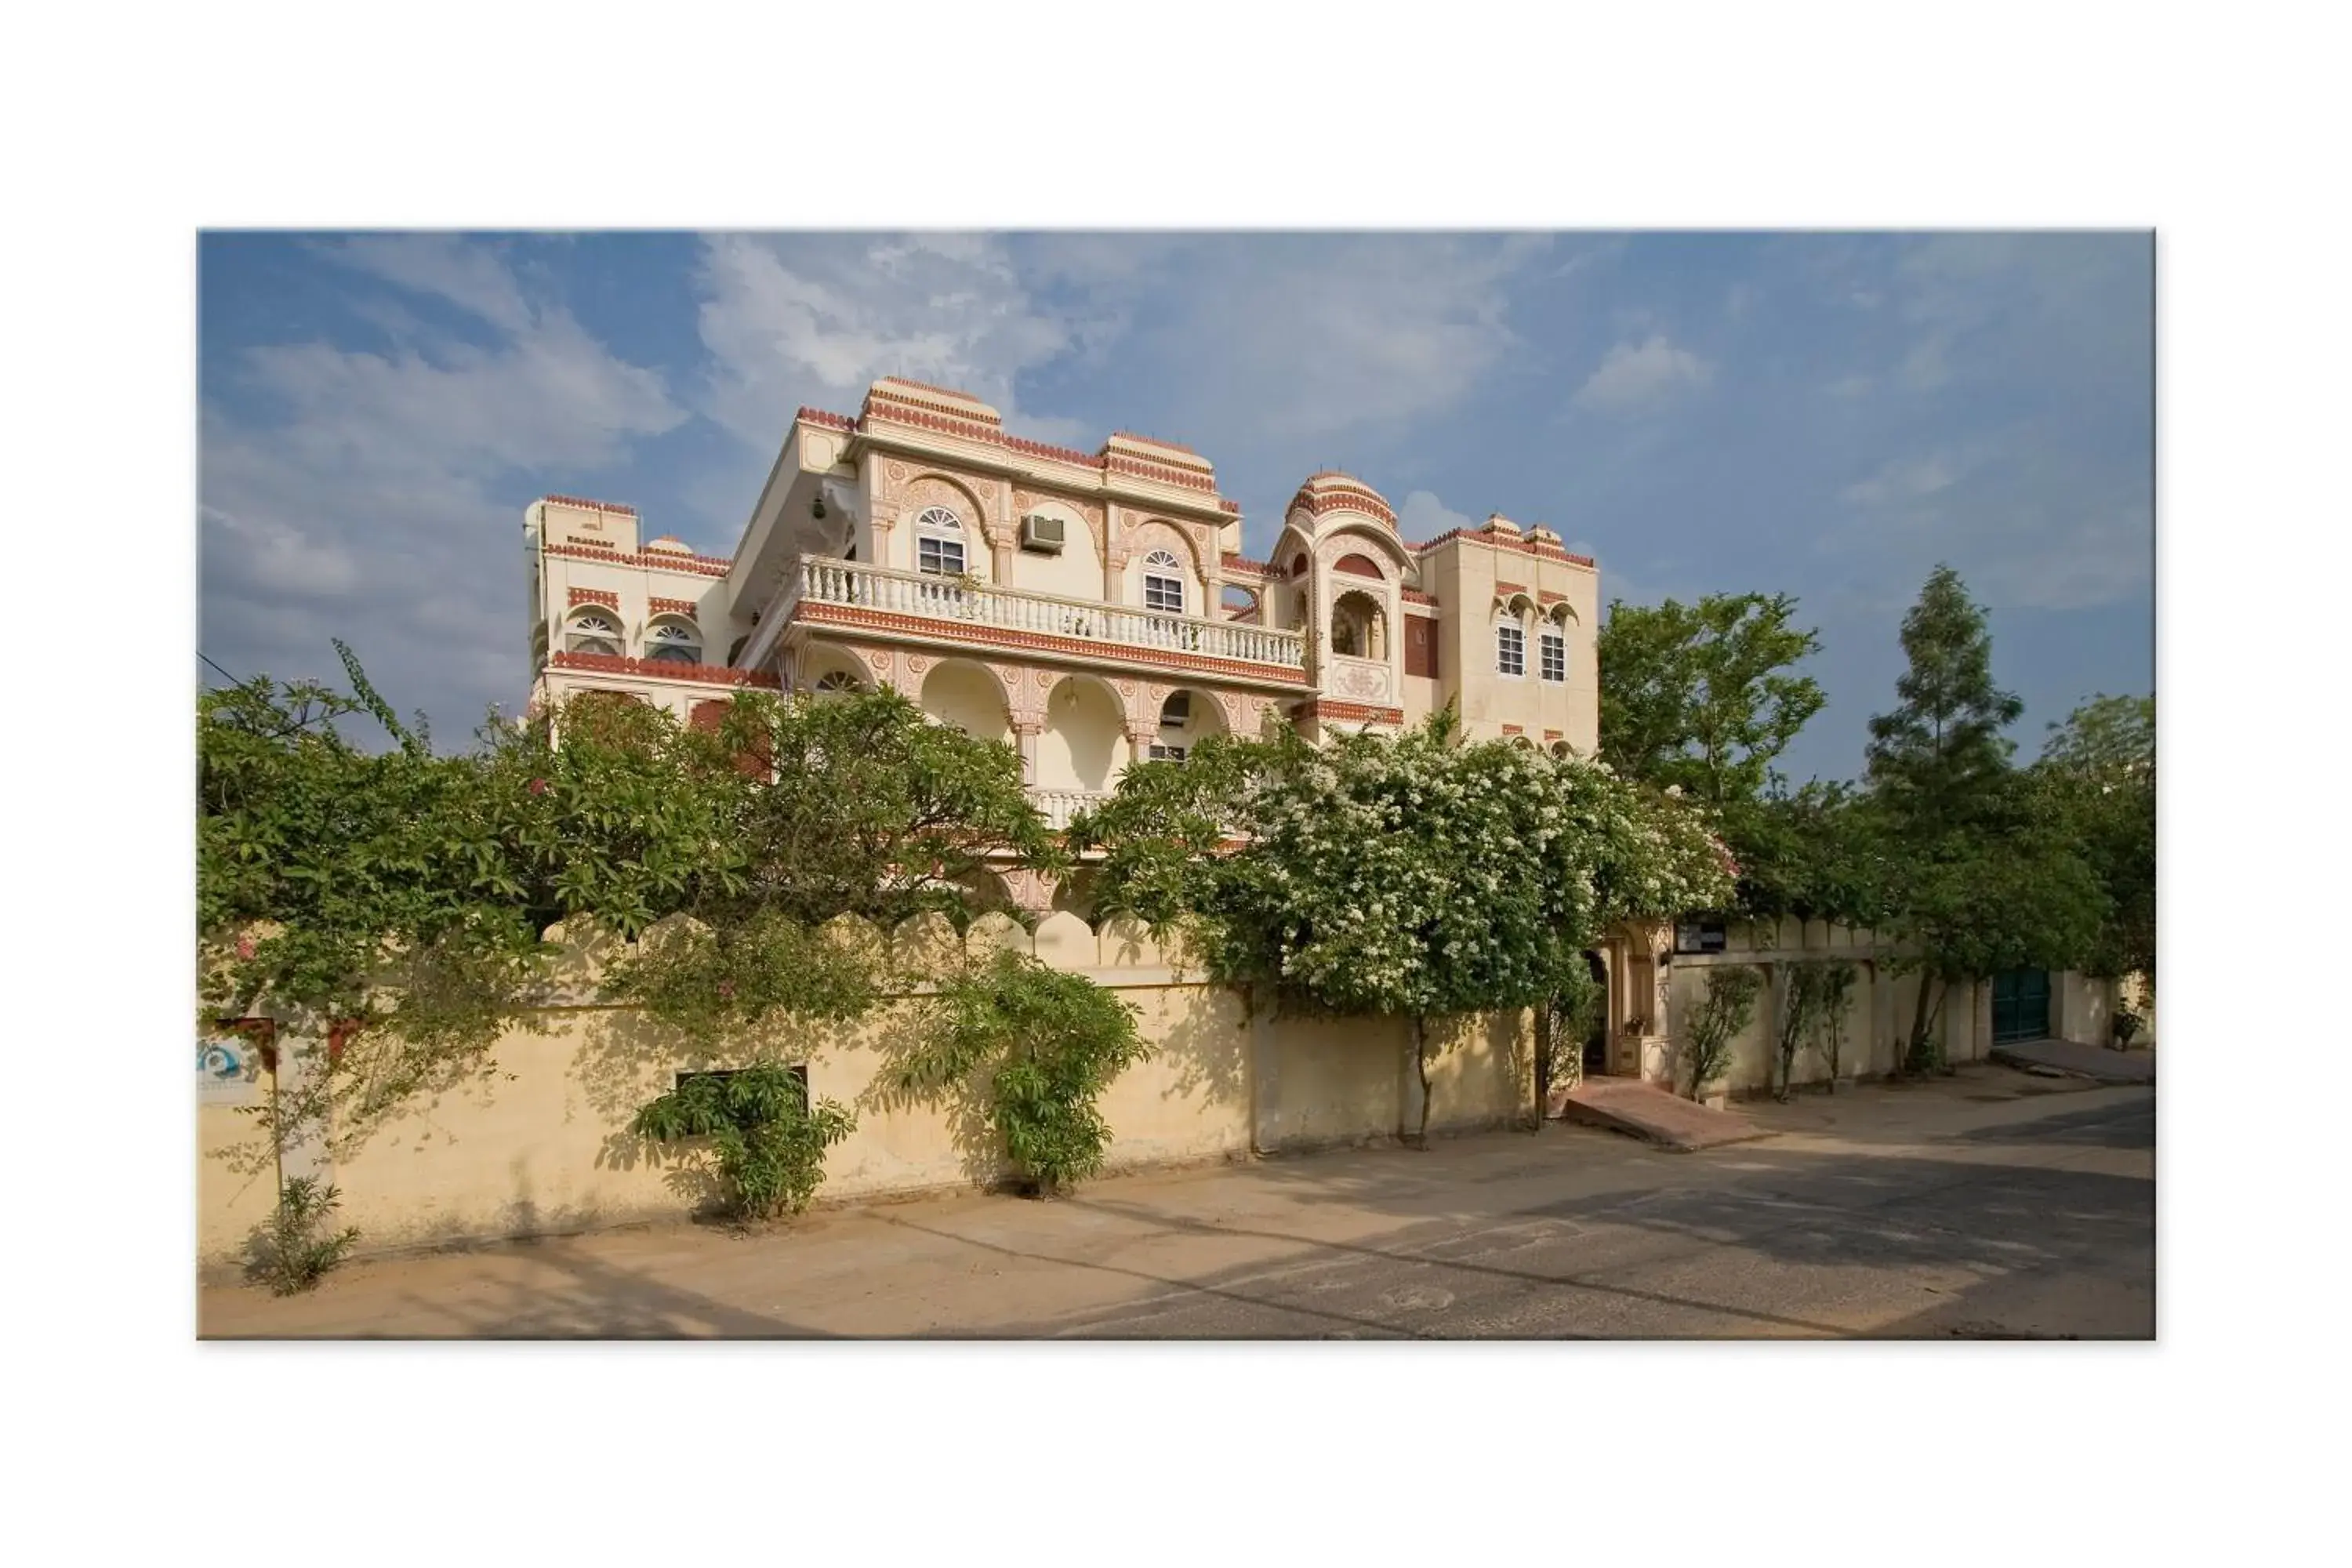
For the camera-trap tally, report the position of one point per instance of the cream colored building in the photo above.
(1090, 609)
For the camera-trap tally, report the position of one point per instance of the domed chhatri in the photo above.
(1332, 490)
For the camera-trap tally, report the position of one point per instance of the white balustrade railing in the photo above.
(1058, 806)
(825, 581)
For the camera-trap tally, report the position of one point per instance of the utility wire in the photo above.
(232, 679)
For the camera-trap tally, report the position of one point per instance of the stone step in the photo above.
(1624, 1105)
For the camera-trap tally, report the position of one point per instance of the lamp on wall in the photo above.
(816, 507)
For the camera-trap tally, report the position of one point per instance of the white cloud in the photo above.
(1423, 516)
(1650, 375)
(469, 275)
(1903, 479)
(378, 497)
(817, 318)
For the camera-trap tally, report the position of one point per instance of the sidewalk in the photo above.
(1568, 1231)
(2085, 1061)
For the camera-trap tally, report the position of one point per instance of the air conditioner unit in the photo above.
(1042, 533)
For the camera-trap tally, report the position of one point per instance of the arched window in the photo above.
(1359, 628)
(670, 643)
(594, 632)
(833, 681)
(939, 542)
(1164, 583)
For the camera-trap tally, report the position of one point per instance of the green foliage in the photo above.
(1813, 854)
(2100, 766)
(1701, 697)
(1564, 1020)
(292, 1249)
(1038, 1046)
(1813, 993)
(765, 1140)
(1983, 869)
(729, 982)
(399, 899)
(1730, 1003)
(1937, 759)
(1413, 878)
(1831, 985)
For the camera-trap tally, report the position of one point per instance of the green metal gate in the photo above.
(2020, 1005)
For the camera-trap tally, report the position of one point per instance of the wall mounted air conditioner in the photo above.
(1042, 533)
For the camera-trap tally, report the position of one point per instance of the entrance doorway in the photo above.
(1596, 1038)
(2020, 1005)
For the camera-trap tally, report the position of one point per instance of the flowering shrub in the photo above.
(1416, 877)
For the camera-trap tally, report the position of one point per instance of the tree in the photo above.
(1937, 759)
(1702, 697)
(1413, 877)
(2100, 764)
(1729, 1004)
(1813, 853)
(389, 908)
(1978, 871)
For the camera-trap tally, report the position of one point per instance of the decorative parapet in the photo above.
(661, 669)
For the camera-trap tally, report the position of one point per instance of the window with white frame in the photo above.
(1510, 650)
(939, 542)
(670, 643)
(595, 633)
(835, 680)
(1552, 649)
(1164, 583)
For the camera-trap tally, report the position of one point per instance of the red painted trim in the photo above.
(1243, 564)
(1331, 707)
(1319, 497)
(879, 620)
(1358, 566)
(1415, 596)
(700, 565)
(927, 386)
(831, 421)
(1502, 587)
(592, 596)
(1513, 730)
(671, 607)
(661, 669)
(1504, 541)
(1155, 441)
(593, 505)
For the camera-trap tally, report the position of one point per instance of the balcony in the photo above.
(1058, 806)
(828, 592)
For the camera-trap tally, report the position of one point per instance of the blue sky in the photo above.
(1824, 415)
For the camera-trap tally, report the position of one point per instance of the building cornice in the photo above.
(660, 669)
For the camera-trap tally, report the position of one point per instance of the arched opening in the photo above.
(1164, 583)
(1239, 604)
(1596, 1032)
(1074, 894)
(594, 631)
(1358, 626)
(827, 671)
(735, 649)
(673, 642)
(967, 697)
(1186, 719)
(1082, 747)
(940, 544)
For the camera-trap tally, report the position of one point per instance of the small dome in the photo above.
(1331, 490)
(1497, 523)
(1543, 535)
(670, 545)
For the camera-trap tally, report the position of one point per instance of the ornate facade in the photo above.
(1091, 610)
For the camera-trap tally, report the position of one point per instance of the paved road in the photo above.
(1992, 1205)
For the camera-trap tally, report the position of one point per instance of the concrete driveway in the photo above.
(1991, 1204)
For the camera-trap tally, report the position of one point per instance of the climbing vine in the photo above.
(1033, 1047)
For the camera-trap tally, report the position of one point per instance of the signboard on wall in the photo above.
(1699, 936)
(228, 1070)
